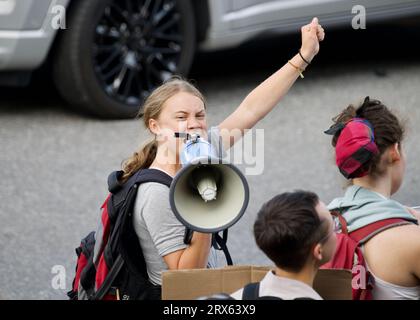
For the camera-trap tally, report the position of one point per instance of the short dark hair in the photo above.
(287, 227)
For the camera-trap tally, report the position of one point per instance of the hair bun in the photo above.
(367, 102)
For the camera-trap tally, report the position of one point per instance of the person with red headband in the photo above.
(369, 153)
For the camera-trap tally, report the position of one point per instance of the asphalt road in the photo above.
(54, 162)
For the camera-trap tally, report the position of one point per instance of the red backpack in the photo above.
(349, 255)
(110, 263)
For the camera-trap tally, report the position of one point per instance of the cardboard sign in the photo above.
(195, 283)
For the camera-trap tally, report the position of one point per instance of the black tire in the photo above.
(79, 74)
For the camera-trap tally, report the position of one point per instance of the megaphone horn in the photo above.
(208, 194)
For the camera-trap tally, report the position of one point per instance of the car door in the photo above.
(287, 14)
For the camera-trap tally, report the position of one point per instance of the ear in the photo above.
(317, 252)
(395, 153)
(154, 126)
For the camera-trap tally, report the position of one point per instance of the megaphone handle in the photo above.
(221, 242)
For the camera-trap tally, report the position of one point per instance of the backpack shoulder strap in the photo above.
(111, 276)
(220, 243)
(144, 175)
(364, 234)
(251, 291)
(114, 184)
(120, 190)
(152, 175)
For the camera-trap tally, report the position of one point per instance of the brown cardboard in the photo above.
(195, 283)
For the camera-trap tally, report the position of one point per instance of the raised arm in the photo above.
(268, 94)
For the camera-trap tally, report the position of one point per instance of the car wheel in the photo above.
(114, 53)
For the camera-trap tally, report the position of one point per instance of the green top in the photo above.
(360, 207)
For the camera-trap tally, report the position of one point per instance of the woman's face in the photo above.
(398, 169)
(183, 112)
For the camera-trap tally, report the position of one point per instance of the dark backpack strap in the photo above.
(111, 276)
(219, 243)
(273, 298)
(152, 175)
(143, 175)
(127, 240)
(364, 234)
(120, 190)
(251, 291)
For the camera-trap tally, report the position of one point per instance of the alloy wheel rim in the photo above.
(137, 45)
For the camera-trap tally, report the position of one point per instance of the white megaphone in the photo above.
(208, 194)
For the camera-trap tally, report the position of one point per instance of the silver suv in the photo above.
(107, 55)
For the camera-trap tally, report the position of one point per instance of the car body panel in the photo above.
(23, 14)
(26, 41)
(236, 21)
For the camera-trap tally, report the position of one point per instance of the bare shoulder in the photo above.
(409, 232)
(404, 238)
(394, 254)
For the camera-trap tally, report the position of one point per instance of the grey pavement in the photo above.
(54, 162)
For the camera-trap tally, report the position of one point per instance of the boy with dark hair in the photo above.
(296, 231)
